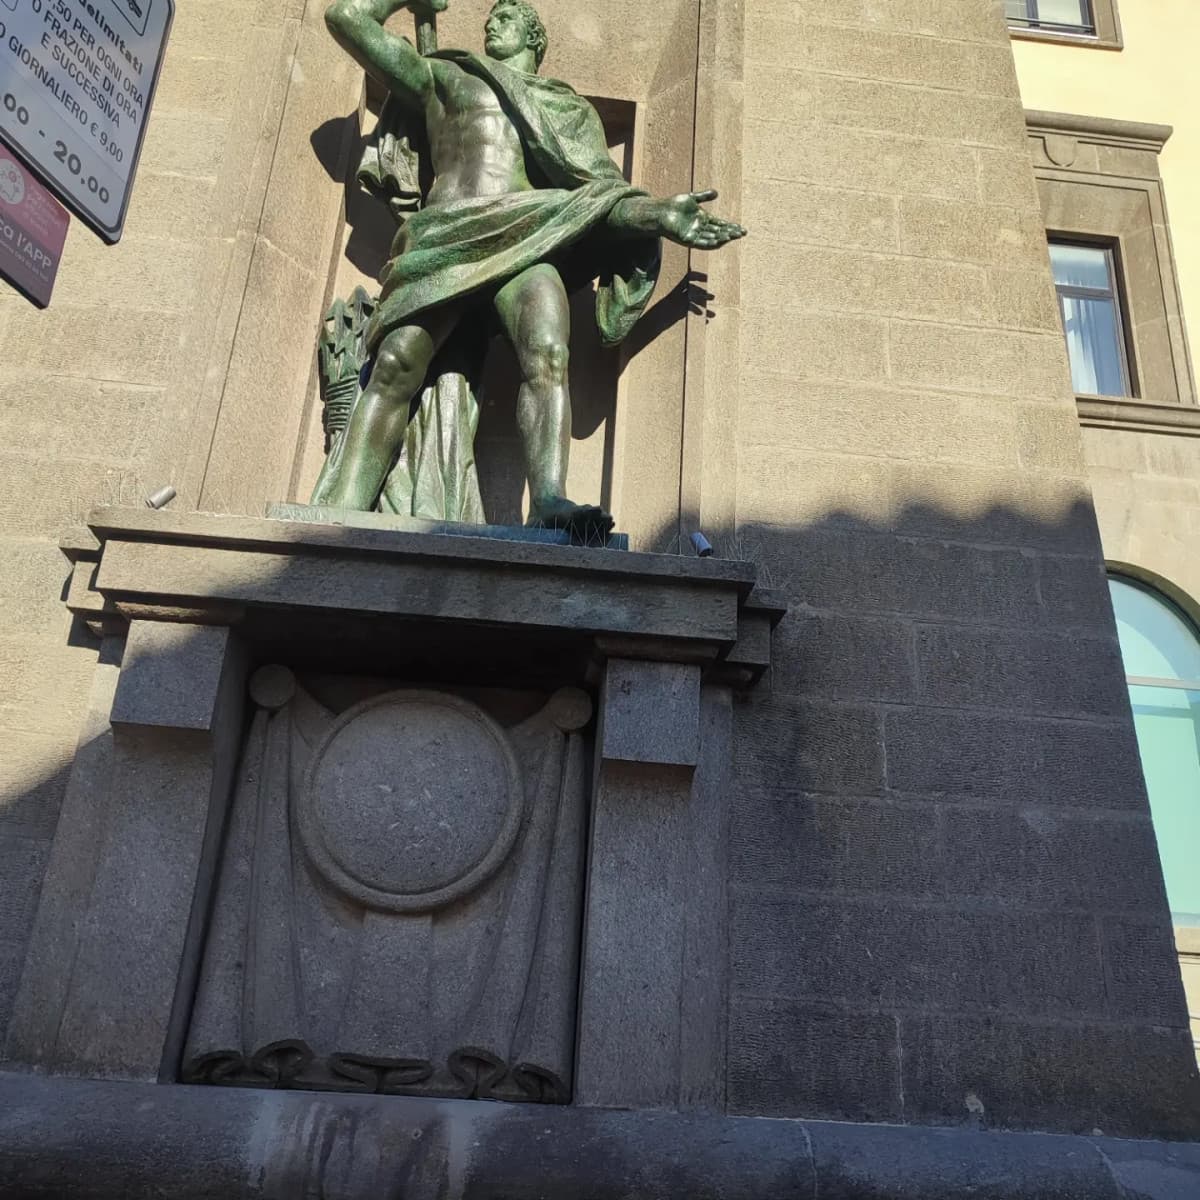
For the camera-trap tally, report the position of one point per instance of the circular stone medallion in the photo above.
(413, 800)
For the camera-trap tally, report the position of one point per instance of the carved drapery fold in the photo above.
(399, 904)
(435, 477)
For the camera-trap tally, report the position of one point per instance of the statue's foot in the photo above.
(585, 522)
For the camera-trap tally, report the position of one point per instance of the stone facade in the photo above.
(896, 868)
(113, 390)
(945, 710)
(1128, 170)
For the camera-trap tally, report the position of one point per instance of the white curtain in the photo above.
(1093, 346)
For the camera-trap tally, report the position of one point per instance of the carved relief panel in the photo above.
(399, 904)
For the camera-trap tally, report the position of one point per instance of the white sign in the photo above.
(77, 78)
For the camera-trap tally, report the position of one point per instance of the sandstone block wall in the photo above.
(1147, 492)
(943, 858)
(114, 390)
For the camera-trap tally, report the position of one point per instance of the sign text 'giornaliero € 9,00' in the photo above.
(77, 78)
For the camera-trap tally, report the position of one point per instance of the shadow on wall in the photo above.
(595, 372)
(29, 805)
(946, 900)
(946, 904)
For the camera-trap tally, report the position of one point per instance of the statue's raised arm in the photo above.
(358, 27)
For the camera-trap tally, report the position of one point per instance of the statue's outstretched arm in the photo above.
(357, 25)
(679, 218)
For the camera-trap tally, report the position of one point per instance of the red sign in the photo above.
(33, 230)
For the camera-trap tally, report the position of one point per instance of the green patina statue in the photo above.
(507, 197)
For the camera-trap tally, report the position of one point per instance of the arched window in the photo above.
(1161, 650)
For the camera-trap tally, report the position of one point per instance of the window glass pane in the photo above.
(1017, 10)
(1093, 346)
(1168, 725)
(1156, 641)
(1064, 12)
(1081, 266)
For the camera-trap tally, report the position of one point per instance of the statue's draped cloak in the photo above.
(445, 254)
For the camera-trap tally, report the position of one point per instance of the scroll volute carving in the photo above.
(399, 902)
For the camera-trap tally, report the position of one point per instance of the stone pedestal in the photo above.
(115, 948)
(340, 840)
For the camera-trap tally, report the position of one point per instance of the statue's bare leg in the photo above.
(373, 437)
(535, 313)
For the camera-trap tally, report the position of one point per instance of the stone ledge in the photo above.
(83, 1140)
(1138, 416)
(234, 532)
(1086, 41)
(312, 514)
(1104, 131)
(207, 569)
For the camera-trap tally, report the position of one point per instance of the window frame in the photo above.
(1099, 183)
(1118, 295)
(1105, 34)
(1122, 574)
(1155, 592)
(1033, 20)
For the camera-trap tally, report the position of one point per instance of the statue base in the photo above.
(75, 1138)
(317, 514)
(367, 810)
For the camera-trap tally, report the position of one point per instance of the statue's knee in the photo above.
(399, 362)
(547, 361)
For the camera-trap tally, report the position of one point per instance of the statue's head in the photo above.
(513, 27)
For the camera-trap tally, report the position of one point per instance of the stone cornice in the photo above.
(1101, 412)
(1104, 131)
(272, 575)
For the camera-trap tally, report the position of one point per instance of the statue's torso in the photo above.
(475, 147)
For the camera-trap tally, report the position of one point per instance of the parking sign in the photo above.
(77, 80)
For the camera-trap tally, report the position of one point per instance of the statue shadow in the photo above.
(595, 376)
(689, 297)
(338, 145)
(332, 142)
(595, 373)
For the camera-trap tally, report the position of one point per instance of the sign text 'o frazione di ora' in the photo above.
(77, 79)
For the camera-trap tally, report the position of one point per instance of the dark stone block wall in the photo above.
(946, 900)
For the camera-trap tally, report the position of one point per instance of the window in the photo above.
(1085, 278)
(1105, 211)
(1054, 16)
(1161, 651)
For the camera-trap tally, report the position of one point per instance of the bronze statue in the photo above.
(519, 200)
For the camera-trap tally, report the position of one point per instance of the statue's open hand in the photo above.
(685, 222)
